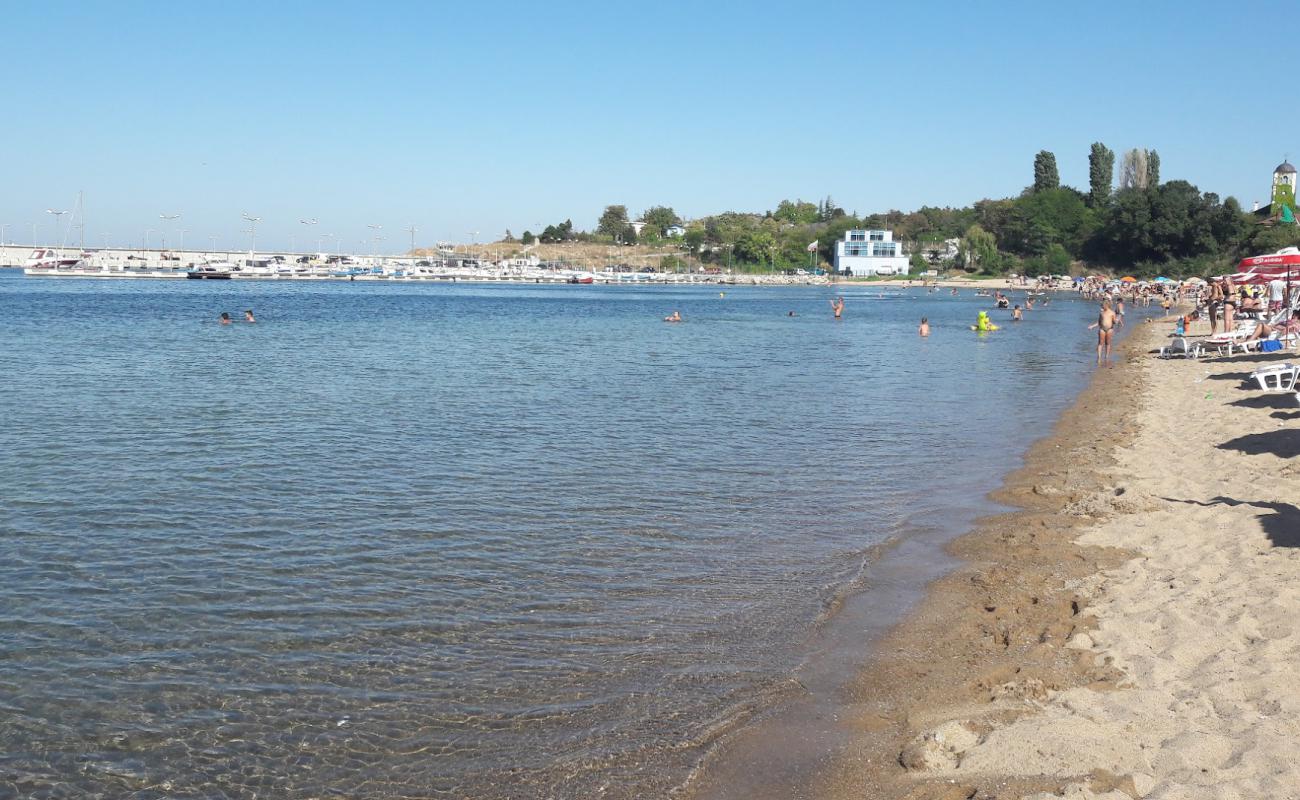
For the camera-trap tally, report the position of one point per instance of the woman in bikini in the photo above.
(1212, 306)
(1229, 304)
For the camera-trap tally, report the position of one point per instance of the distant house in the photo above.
(947, 250)
(675, 231)
(867, 252)
(638, 226)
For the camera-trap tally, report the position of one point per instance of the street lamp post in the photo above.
(412, 230)
(212, 250)
(147, 231)
(3, 227)
(376, 229)
(167, 218)
(252, 233)
(58, 218)
(312, 221)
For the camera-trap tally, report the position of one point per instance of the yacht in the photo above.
(46, 260)
(214, 270)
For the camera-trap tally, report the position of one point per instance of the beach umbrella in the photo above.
(1128, 279)
(1163, 279)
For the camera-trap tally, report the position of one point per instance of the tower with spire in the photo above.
(1283, 207)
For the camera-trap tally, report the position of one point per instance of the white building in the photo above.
(864, 252)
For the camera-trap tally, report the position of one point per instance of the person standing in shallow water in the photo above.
(837, 307)
(248, 316)
(924, 328)
(1105, 326)
(224, 319)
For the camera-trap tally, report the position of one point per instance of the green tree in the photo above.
(980, 249)
(1153, 169)
(659, 219)
(827, 210)
(797, 212)
(1101, 172)
(627, 235)
(917, 264)
(1041, 219)
(528, 237)
(612, 221)
(755, 246)
(694, 238)
(1045, 174)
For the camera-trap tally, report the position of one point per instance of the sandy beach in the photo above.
(1131, 631)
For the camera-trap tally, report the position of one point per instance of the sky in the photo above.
(468, 119)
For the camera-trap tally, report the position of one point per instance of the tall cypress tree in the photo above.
(1045, 174)
(1101, 171)
(1153, 169)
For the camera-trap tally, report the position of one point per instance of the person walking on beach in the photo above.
(837, 306)
(1119, 313)
(1229, 304)
(1105, 325)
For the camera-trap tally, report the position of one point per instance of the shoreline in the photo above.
(793, 751)
(989, 635)
(1055, 661)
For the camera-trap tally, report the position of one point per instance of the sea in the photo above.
(465, 540)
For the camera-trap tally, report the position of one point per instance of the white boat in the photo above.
(46, 260)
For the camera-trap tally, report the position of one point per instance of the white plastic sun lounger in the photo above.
(1277, 378)
(1181, 348)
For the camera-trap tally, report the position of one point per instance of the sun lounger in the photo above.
(1277, 378)
(1181, 348)
(1230, 339)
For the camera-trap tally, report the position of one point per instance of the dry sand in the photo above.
(1133, 632)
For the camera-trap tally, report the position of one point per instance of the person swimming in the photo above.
(248, 316)
(224, 319)
(982, 323)
(676, 316)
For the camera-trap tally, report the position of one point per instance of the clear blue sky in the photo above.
(486, 116)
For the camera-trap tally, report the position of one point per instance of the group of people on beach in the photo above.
(225, 319)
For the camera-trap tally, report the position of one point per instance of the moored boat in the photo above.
(216, 271)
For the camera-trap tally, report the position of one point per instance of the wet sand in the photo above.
(1129, 632)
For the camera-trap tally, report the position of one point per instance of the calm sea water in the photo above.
(459, 541)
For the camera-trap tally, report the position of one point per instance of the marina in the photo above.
(448, 266)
